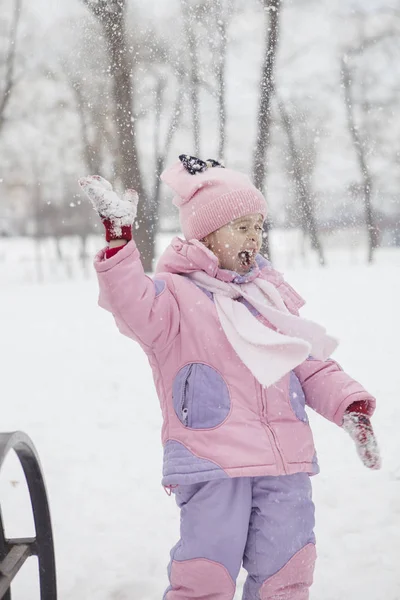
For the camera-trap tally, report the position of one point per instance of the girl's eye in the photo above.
(243, 228)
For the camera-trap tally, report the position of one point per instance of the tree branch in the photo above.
(103, 8)
(370, 42)
(10, 62)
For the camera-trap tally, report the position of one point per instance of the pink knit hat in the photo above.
(211, 197)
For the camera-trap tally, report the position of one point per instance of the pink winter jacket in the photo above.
(218, 421)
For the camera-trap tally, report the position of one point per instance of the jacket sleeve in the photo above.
(144, 309)
(329, 390)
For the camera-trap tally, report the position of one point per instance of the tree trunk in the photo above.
(83, 254)
(91, 150)
(194, 81)
(112, 15)
(161, 154)
(267, 86)
(37, 215)
(372, 230)
(304, 201)
(130, 169)
(10, 62)
(221, 23)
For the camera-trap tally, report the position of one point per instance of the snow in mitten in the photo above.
(358, 425)
(117, 214)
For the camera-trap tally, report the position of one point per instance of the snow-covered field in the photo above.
(85, 395)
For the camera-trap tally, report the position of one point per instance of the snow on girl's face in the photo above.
(237, 243)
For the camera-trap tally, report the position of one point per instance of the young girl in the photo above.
(234, 366)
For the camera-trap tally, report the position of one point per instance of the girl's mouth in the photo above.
(247, 257)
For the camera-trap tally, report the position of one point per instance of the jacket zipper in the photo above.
(264, 420)
(184, 399)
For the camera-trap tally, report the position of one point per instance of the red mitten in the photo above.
(117, 214)
(358, 425)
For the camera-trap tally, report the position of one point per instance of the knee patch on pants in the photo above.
(293, 581)
(199, 578)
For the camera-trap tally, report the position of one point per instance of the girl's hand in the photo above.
(359, 427)
(117, 214)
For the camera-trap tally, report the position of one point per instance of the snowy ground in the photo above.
(84, 394)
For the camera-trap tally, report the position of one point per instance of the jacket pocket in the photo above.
(184, 394)
(297, 398)
(200, 397)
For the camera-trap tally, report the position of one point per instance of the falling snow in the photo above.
(304, 97)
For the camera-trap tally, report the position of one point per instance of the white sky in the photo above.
(50, 11)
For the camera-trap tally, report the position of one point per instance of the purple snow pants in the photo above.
(266, 523)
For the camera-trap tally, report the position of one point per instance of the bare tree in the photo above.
(267, 87)
(361, 153)
(221, 13)
(299, 166)
(220, 74)
(10, 62)
(91, 127)
(203, 61)
(361, 144)
(372, 37)
(161, 150)
(112, 16)
(189, 21)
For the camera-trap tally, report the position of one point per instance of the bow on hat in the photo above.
(195, 165)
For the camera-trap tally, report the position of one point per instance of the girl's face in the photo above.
(237, 243)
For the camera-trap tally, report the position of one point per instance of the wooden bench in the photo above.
(14, 552)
